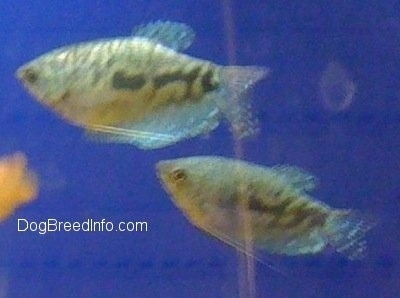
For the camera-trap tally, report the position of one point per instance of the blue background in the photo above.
(355, 152)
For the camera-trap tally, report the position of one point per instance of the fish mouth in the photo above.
(162, 169)
(27, 74)
(19, 74)
(26, 78)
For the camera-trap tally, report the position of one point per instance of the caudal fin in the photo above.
(346, 230)
(234, 100)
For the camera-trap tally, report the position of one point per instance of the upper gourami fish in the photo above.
(140, 89)
(213, 191)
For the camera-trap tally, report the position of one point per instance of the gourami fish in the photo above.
(283, 218)
(18, 185)
(141, 89)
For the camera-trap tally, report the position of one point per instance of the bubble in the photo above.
(336, 88)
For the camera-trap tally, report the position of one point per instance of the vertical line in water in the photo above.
(246, 274)
(4, 284)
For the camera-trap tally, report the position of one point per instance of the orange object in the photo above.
(18, 185)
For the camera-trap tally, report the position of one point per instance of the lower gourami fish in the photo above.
(18, 185)
(140, 89)
(283, 218)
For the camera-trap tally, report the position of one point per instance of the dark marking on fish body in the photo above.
(298, 217)
(121, 80)
(190, 78)
(318, 219)
(192, 75)
(164, 79)
(65, 96)
(276, 209)
(110, 61)
(314, 215)
(256, 205)
(229, 202)
(208, 82)
(96, 77)
(62, 100)
(280, 208)
(276, 194)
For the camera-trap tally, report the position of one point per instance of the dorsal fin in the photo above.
(297, 177)
(174, 35)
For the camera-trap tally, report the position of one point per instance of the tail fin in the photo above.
(346, 230)
(236, 82)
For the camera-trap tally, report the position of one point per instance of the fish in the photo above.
(18, 184)
(214, 193)
(141, 89)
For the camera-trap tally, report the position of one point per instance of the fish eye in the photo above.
(30, 75)
(178, 175)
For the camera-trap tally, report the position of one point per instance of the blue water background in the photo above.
(354, 153)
